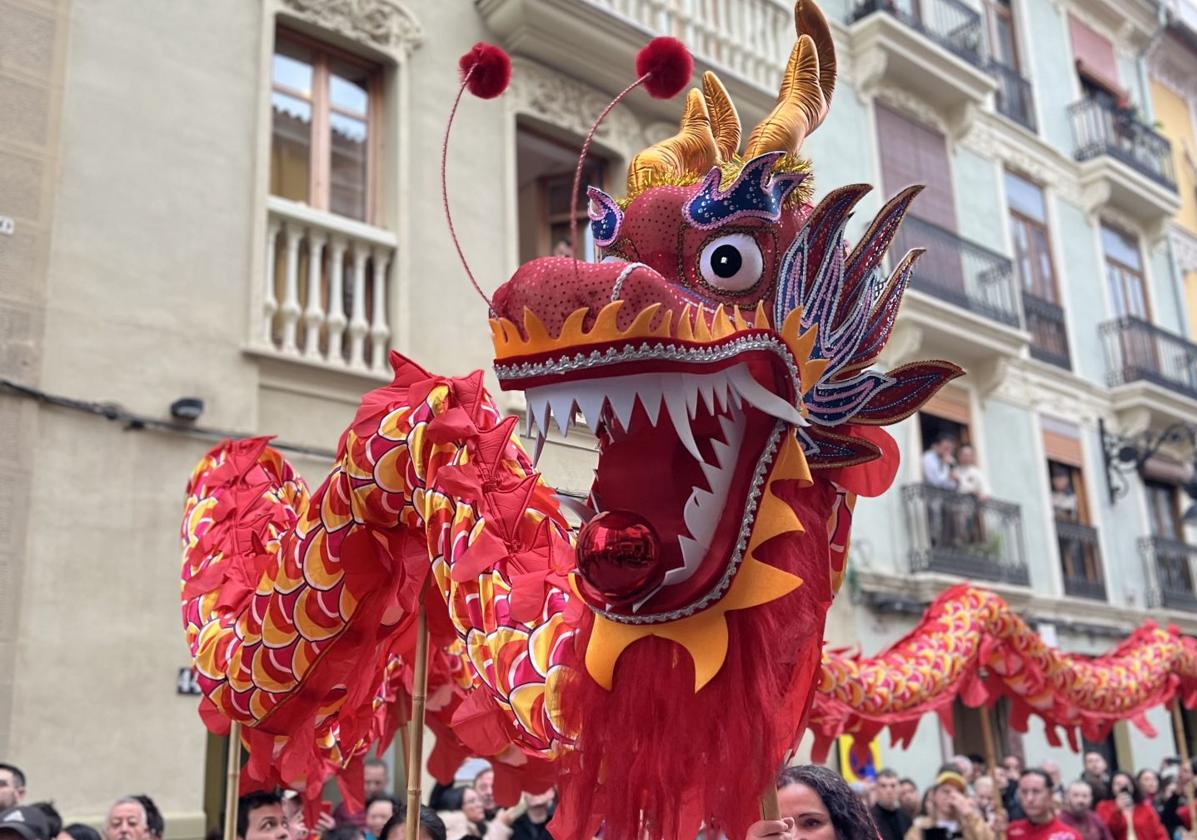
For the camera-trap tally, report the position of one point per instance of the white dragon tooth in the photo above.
(538, 408)
(622, 398)
(675, 402)
(691, 385)
(648, 389)
(719, 388)
(590, 403)
(764, 399)
(692, 554)
(706, 387)
(538, 448)
(562, 403)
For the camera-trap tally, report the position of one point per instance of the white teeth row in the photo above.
(680, 394)
(705, 507)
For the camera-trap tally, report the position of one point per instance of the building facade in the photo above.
(240, 202)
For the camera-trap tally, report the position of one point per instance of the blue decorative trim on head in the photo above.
(605, 217)
(757, 193)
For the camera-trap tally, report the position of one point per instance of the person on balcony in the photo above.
(938, 463)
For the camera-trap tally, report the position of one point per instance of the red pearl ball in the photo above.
(619, 558)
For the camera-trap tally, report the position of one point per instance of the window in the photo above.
(1028, 230)
(324, 106)
(1124, 273)
(1002, 42)
(1163, 506)
(912, 153)
(546, 168)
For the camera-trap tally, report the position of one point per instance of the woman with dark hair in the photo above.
(1125, 807)
(816, 804)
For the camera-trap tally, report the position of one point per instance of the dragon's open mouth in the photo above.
(686, 428)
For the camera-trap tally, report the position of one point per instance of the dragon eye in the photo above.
(731, 263)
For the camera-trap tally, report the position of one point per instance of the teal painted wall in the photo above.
(1016, 475)
(1084, 300)
(1164, 302)
(1051, 70)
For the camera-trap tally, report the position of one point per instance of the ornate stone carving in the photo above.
(1184, 246)
(566, 103)
(384, 24)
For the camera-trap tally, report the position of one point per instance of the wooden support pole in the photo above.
(415, 752)
(991, 763)
(770, 810)
(1182, 747)
(233, 783)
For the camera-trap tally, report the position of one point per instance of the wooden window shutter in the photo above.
(951, 404)
(1062, 442)
(912, 153)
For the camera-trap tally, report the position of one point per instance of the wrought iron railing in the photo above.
(959, 534)
(1169, 573)
(949, 23)
(1049, 332)
(1080, 559)
(959, 271)
(1013, 95)
(1137, 351)
(1100, 128)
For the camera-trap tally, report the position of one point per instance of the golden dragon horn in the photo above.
(806, 87)
(725, 122)
(690, 152)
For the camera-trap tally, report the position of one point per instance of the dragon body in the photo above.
(723, 355)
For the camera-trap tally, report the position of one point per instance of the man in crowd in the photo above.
(1012, 765)
(1040, 823)
(533, 823)
(12, 786)
(260, 817)
(985, 797)
(908, 795)
(1052, 769)
(1097, 771)
(484, 786)
(892, 822)
(127, 820)
(374, 776)
(26, 822)
(1078, 812)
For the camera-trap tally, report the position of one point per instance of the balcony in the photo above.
(957, 534)
(746, 41)
(1013, 97)
(325, 291)
(1080, 559)
(1124, 164)
(933, 49)
(959, 272)
(1137, 351)
(1049, 332)
(1169, 573)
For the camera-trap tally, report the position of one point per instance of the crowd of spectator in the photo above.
(963, 801)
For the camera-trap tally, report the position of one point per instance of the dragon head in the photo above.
(722, 344)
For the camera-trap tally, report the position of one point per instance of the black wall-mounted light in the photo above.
(1125, 455)
(187, 409)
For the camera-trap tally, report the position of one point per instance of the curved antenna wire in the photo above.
(445, 191)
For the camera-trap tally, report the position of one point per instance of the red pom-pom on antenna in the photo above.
(491, 70)
(668, 64)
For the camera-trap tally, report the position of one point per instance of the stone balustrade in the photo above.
(326, 289)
